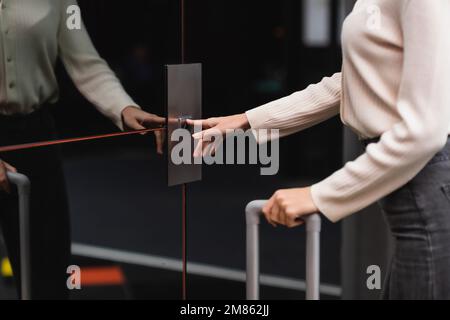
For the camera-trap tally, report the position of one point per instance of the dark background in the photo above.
(252, 52)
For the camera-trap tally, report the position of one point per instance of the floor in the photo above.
(119, 199)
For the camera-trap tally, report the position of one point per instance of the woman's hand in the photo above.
(214, 126)
(4, 182)
(137, 119)
(287, 207)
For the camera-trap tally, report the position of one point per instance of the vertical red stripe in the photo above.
(184, 186)
(184, 240)
(183, 34)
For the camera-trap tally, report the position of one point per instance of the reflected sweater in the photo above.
(394, 84)
(33, 33)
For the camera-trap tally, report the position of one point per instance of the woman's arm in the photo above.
(291, 114)
(301, 110)
(94, 78)
(424, 105)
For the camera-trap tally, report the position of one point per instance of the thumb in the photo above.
(153, 120)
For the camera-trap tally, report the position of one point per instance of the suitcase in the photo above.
(23, 189)
(313, 228)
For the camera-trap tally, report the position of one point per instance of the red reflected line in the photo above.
(71, 140)
(184, 186)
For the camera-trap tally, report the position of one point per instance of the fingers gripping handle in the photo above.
(313, 229)
(23, 187)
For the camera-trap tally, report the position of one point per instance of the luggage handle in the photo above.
(23, 188)
(313, 228)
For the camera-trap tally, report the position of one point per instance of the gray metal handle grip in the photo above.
(23, 187)
(313, 228)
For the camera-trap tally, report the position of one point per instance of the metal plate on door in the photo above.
(184, 101)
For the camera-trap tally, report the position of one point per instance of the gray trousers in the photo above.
(418, 215)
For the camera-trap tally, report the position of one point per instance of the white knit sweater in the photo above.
(395, 83)
(33, 33)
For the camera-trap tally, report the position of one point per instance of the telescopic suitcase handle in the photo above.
(313, 228)
(23, 188)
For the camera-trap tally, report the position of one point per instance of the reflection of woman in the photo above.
(33, 33)
(393, 91)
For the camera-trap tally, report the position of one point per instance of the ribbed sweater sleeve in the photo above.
(90, 73)
(300, 110)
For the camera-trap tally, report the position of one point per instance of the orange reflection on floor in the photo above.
(102, 276)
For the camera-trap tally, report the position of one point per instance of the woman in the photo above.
(33, 33)
(393, 91)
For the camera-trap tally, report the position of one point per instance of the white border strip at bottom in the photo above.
(194, 268)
